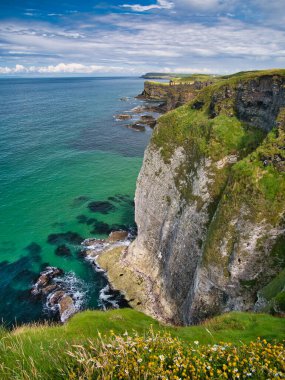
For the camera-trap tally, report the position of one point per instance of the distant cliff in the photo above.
(172, 95)
(210, 204)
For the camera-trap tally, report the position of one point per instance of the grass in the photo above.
(157, 356)
(40, 351)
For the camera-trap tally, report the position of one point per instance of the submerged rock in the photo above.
(104, 207)
(68, 237)
(63, 250)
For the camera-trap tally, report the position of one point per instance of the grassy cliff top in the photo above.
(219, 79)
(41, 351)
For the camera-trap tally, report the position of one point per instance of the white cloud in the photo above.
(188, 70)
(161, 4)
(61, 68)
(137, 43)
(199, 4)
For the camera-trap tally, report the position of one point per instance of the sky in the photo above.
(132, 37)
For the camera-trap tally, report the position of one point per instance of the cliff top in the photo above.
(188, 79)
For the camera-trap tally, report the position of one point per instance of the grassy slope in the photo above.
(42, 349)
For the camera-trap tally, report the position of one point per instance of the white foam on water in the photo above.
(72, 286)
(105, 299)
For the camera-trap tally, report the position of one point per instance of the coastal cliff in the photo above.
(210, 205)
(172, 94)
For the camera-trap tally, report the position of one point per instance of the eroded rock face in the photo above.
(206, 232)
(172, 95)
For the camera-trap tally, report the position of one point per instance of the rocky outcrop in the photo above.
(172, 95)
(210, 201)
(51, 288)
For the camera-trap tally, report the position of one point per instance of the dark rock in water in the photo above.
(44, 266)
(51, 287)
(81, 253)
(148, 120)
(45, 279)
(65, 237)
(101, 228)
(62, 250)
(123, 117)
(104, 207)
(33, 248)
(25, 275)
(83, 219)
(137, 127)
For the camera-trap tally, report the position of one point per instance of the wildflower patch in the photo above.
(162, 357)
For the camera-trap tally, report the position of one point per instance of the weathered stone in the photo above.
(66, 307)
(55, 297)
(48, 289)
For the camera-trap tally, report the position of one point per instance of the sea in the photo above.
(61, 148)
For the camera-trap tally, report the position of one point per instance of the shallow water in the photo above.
(60, 150)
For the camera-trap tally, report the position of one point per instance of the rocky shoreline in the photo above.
(63, 294)
(50, 287)
(141, 117)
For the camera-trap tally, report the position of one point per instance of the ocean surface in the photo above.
(61, 149)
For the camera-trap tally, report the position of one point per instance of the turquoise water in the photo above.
(60, 149)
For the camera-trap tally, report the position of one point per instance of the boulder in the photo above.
(55, 297)
(66, 307)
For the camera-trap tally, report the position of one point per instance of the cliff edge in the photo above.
(210, 205)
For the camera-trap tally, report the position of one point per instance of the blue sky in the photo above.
(130, 37)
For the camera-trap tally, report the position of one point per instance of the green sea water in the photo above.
(60, 149)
